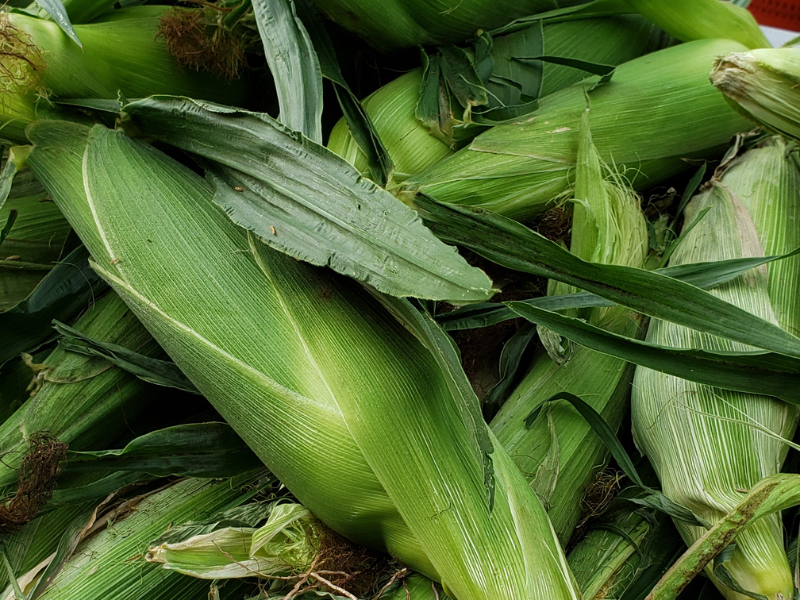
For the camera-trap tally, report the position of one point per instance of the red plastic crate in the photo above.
(784, 14)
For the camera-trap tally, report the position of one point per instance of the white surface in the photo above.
(778, 37)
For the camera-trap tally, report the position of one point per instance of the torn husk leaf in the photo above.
(670, 114)
(514, 81)
(285, 545)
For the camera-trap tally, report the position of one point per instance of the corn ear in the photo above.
(42, 60)
(689, 20)
(402, 23)
(323, 374)
(560, 453)
(654, 111)
(709, 445)
(763, 86)
(398, 117)
(82, 401)
(608, 227)
(109, 562)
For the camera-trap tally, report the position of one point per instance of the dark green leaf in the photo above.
(603, 430)
(366, 136)
(513, 245)
(311, 204)
(12, 216)
(704, 275)
(196, 450)
(691, 187)
(756, 373)
(68, 288)
(100, 104)
(510, 361)
(97, 490)
(293, 63)
(685, 232)
(159, 372)
(581, 65)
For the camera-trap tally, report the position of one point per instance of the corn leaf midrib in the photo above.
(269, 383)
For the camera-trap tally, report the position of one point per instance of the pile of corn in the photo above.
(387, 300)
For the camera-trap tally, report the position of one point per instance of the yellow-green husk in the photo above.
(708, 445)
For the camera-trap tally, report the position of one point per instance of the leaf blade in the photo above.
(294, 66)
(311, 204)
(513, 245)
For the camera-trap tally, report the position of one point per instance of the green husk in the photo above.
(608, 227)
(510, 83)
(763, 86)
(82, 401)
(402, 24)
(283, 335)
(689, 20)
(121, 54)
(670, 113)
(108, 562)
(33, 245)
(709, 446)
